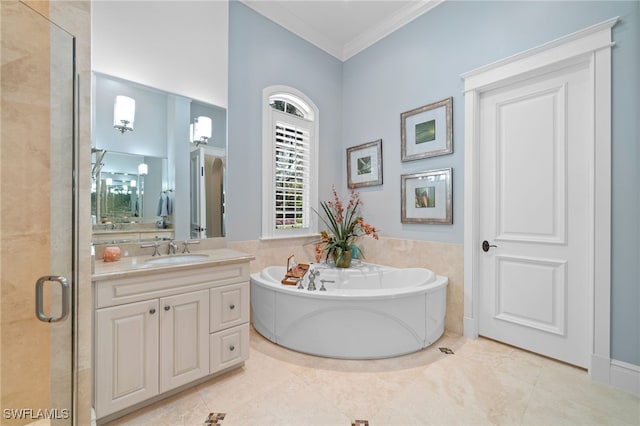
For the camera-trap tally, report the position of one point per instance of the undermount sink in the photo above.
(178, 258)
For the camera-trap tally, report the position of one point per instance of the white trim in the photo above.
(268, 180)
(595, 43)
(619, 374)
(283, 17)
(216, 151)
(588, 40)
(625, 376)
(377, 32)
(471, 217)
(308, 112)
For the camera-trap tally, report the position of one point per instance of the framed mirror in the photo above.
(159, 172)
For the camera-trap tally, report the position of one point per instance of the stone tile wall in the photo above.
(442, 258)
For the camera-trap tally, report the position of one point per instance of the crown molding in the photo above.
(394, 22)
(281, 16)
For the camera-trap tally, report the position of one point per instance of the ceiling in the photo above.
(342, 28)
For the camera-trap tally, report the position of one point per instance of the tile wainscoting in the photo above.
(442, 258)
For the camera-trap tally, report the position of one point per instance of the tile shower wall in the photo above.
(26, 230)
(24, 79)
(442, 258)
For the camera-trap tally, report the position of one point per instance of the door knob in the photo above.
(486, 246)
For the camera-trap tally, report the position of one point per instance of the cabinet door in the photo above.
(126, 355)
(229, 306)
(184, 338)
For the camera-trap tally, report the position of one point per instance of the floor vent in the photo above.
(214, 419)
(360, 423)
(446, 351)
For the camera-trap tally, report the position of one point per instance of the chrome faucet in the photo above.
(312, 276)
(172, 247)
(325, 281)
(155, 246)
(186, 245)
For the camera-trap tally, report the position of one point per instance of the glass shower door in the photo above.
(37, 217)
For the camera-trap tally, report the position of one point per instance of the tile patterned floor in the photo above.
(482, 382)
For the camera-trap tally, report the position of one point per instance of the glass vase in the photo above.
(343, 261)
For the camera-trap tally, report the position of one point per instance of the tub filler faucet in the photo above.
(325, 281)
(312, 277)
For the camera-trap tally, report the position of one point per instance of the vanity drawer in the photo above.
(162, 283)
(229, 306)
(228, 347)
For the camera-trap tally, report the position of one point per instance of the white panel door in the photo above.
(184, 338)
(536, 145)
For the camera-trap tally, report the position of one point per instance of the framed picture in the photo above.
(364, 164)
(426, 197)
(427, 131)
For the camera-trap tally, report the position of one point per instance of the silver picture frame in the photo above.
(427, 131)
(426, 197)
(364, 164)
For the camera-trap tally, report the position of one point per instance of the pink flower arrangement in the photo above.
(344, 224)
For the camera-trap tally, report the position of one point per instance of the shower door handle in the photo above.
(40, 298)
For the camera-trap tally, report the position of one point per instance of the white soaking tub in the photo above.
(368, 311)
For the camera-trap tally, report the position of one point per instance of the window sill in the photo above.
(290, 237)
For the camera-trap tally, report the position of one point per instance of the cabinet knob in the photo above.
(152, 311)
(232, 306)
(232, 348)
(166, 308)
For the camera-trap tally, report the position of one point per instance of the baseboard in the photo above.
(600, 369)
(625, 376)
(618, 374)
(469, 328)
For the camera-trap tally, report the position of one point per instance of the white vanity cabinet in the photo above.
(161, 330)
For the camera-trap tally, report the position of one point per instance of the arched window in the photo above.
(289, 160)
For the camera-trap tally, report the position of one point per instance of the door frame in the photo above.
(593, 43)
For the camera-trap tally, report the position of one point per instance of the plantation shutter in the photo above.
(292, 173)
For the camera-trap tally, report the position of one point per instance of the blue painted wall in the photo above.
(361, 101)
(422, 63)
(262, 54)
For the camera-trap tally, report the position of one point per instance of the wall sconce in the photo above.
(108, 181)
(133, 183)
(200, 130)
(124, 111)
(143, 169)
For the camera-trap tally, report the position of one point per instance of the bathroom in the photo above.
(412, 67)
